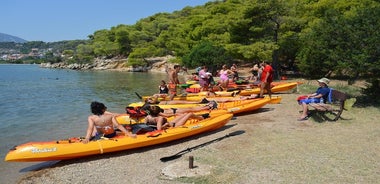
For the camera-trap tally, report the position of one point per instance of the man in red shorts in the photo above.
(173, 81)
(266, 79)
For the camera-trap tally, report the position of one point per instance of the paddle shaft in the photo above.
(179, 154)
(138, 95)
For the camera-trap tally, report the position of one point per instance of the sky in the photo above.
(58, 20)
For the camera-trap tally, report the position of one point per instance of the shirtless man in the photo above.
(173, 80)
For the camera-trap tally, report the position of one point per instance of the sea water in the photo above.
(40, 104)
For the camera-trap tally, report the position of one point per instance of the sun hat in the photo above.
(324, 80)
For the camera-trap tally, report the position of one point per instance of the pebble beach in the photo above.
(274, 148)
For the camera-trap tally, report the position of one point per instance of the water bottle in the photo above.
(321, 100)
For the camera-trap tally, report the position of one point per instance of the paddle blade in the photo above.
(169, 158)
(238, 132)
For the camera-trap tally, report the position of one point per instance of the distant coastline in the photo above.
(159, 64)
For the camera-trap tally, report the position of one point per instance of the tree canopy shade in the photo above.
(342, 41)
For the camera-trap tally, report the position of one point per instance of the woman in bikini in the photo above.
(154, 100)
(102, 123)
(156, 118)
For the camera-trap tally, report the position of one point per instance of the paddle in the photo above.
(179, 154)
(140, 97)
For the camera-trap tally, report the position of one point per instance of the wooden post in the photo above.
(191, 162)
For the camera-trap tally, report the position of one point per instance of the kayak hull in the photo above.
(74, 148)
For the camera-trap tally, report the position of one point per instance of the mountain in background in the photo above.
(10, 38)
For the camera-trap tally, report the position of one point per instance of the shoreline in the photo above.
(274, 149)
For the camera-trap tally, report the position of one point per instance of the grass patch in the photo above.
(282, 150)
(328, 153)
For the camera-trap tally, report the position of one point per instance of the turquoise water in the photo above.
(41, 104)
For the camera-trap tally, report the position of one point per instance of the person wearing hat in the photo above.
(321, 94)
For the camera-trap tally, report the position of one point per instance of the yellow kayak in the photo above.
(235, 107)
(278, 88)
(276, 99)
(193, 96)
(244, 107)
(246, 92)
(191, 82)
(74, 148)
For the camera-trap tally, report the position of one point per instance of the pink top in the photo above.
(223, 75)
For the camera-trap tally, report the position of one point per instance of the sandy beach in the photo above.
(274, 148)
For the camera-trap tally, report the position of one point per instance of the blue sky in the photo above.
(58, 20)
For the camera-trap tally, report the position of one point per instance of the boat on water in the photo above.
(73, 147)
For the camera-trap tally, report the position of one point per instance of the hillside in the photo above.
(10, 38)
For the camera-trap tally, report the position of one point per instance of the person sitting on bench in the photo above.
(320, 96)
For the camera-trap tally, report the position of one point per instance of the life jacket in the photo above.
(193, 90)
(135, 112)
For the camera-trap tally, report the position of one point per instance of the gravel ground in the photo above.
(144, 165)
(275, 148)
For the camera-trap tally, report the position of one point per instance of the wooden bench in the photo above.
(333, 108)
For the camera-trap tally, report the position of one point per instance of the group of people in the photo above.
(225, 74)
(262, 73)
(102, 123)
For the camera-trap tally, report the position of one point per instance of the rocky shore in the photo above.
(156, 64)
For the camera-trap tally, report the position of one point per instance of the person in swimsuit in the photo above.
(255, 72)
(211, 105)
(235, 72)
(173, 80)
(157, 118)
(223, 75)
(163, 88)
(154, 100)
(211, 93)
(102, 123)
